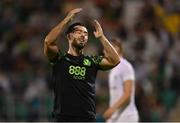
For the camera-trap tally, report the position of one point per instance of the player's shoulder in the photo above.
(126, 64)
(59, 55)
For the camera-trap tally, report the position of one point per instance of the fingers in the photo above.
(96, 24)
(95, 34)
(73, 12)
(77, 10)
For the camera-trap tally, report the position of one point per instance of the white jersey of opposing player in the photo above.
(118, 75)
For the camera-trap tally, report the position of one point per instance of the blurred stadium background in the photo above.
(149, 29)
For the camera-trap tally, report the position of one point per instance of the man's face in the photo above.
(79, 37)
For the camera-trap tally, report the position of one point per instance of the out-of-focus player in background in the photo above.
(73, 73)
(122, 106)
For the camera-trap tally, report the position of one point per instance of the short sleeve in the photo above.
(128, 73)
(96, 60)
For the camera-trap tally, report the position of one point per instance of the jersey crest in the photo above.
(86, 62)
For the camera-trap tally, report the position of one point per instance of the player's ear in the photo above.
(68, 36)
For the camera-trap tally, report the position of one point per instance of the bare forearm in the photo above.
(50, 45)
(111, 53)
(56, 31)
(120, 104)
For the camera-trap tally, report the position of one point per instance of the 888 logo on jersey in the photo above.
(77, 72)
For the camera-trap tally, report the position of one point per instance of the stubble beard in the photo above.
(78, 46)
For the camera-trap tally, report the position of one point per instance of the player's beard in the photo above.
(78, 44)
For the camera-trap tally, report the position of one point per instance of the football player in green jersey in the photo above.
(73, 73)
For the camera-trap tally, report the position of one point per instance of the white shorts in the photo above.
(126, 118)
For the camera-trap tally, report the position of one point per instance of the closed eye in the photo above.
(81, 31)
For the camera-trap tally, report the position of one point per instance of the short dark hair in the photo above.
(71, 27)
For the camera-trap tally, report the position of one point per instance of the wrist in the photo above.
(68, 18)
(101, 37)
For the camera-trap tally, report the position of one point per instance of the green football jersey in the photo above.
(73, 79)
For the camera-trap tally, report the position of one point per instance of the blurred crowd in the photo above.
(150, 33)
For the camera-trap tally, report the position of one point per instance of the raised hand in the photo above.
(73, 12)
(98, 32)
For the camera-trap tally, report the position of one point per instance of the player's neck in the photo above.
(75, 51)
